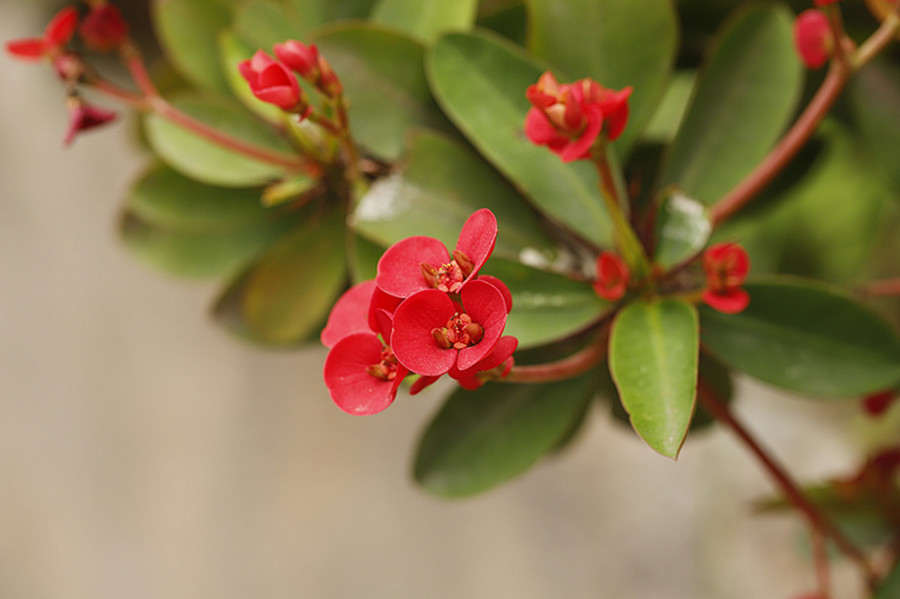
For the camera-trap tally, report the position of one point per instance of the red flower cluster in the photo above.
(568, 118)
(425, 313)
(273, 81)
(813, 38)
(726, 266)
(612, 277)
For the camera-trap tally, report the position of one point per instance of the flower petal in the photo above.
(400, 268)
(411, 338)
(501, 286)
(477, 239)
(349, 315)
(729, 301)
(485, 304)
(353, 389)
(503, 349)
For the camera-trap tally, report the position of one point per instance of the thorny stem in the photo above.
(717, 408)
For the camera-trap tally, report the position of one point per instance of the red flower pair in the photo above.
(568, 118)
(433, 316)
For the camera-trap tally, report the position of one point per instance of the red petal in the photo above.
(61, 27)
(381, 302)
(400, 268)
(477, 239)
(349, 315)
(29, 49)
(353, 389)
(411, 339)
(580, 148)
(283, 96)
(538, 129)
(503, 349)
(421, 383)
(485, 304)
(501, 286)
(729, 301)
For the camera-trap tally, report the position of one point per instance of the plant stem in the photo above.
(820, 556)
(885, 287)
(877, 41)
(719, 410)
(578, 363)
(786, 149)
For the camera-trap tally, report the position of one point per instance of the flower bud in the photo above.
(272, 82)
(83, 116)
(813, 38)
(300, 57)
(612, 277)
(103, 29)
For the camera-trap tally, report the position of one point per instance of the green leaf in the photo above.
(745, 96)
(233, 50)
(615, 42)
(653, 356)
(207, 162)
(440, 186)
(384, 80)
(667, 118)
(187, 31)
(682, 230)
(204, 254)
(480, 81)
(874, 95)
(291, 289)
(425, 20)
(482, 438)
(889, 588)
(311, 14)
(263, 23)
(166, 199)
(546, 306)
(807, 338)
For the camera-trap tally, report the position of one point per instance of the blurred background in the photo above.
(145, 452)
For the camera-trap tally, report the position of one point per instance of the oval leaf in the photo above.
(745, 96)
(653, 355)
(806, 338)
(682, 230)
(546, 306)
(425, 20)
(480, 81)
(187, 31)
(293, 286)
(384, 80)
(615, 42)
(482, 438)
(205, 161)
(440, 186)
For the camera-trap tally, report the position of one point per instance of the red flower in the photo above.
(300, 57)
(350, 314)
(103, 29)
(612, 277)
(362, 374)
(56, 36)
(726, 266)
(418, 263)
(272, 82)
(568, 118)
(813, 38)
(433, 335)
(83, 116)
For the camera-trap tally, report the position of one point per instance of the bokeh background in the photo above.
(145, 453)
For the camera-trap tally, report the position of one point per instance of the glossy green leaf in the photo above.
(546, 306)
(263, 23)
(202, 160)
(668, 116)
(425, 20)
(187, 31)
(204, 254)
(292, 287)
(480, 80)
(232, 50)
(508, 19)
(384, 80)
(441, 184)
(312, 14)
(807, 338)
(889, 587)
(167, 199)
(615, 42)
(653, 356)
(482, 438)
(745, 96)
(682, 230)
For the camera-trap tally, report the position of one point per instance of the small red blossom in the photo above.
(362, 374)
(56, 36)
(272, 82)
(103, 29)
(432, 334)
(569, 118)
(418, 263)
(813, 38)
(877, 404)
(299, 57)
(612, 277)
(726, 266)
(83, 116)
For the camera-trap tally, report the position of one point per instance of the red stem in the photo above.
(577, 363)
(886, 287)
(719, 410)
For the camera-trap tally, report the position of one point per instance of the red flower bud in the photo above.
(83, 116)
(300, 57)
(272, 82)
(612, 277)
(813, 38)
(56, 36)
(103, 29)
